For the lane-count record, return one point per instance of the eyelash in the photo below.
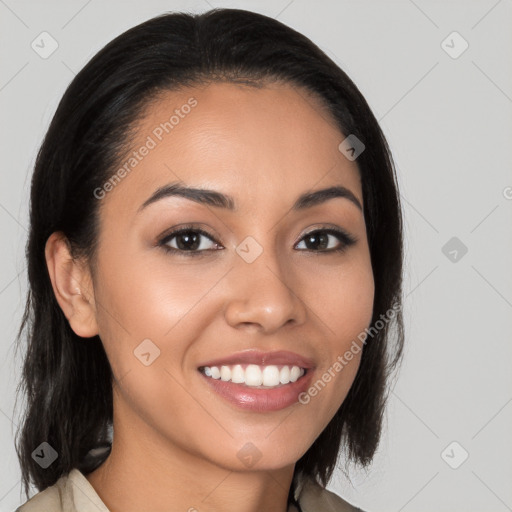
(345, 239)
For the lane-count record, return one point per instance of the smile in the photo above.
(255, 376)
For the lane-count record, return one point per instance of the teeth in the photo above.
(254, 375)
(294, 373)
(225, 373)
(284, 375)
(237, 375)
(270, 375)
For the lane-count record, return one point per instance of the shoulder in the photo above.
(312, 497)
(71, 493)
(50, 499)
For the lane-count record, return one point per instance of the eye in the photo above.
(320, 240)
(188, 241)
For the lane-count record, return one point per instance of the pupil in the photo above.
(191, 240)
(322, 241)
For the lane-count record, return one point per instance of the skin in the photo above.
(176, 441)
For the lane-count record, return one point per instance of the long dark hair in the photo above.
(67, 381)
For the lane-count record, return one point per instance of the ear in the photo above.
(72, 285)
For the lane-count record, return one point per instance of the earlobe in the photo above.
(72, 286)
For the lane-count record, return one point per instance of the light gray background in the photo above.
(449, 125)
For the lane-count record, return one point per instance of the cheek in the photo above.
(343, 300)
(354, 316)
(147, 318)
(355, 307)
(151, 298)
(148, 315)
(345, 309)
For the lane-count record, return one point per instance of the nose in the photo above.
(263, 295)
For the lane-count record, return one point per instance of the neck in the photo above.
(145, 472)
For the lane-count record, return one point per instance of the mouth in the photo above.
(258, 381)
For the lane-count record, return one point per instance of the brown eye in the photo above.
(193, 241)
(322, 240)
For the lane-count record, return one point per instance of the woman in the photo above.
(215, 264)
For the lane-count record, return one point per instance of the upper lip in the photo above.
(260, 358)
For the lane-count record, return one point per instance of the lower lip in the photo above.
(261, 400)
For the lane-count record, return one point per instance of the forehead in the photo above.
(266, 144)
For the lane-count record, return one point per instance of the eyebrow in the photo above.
(220, 200)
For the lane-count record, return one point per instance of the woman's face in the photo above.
(257, 283)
